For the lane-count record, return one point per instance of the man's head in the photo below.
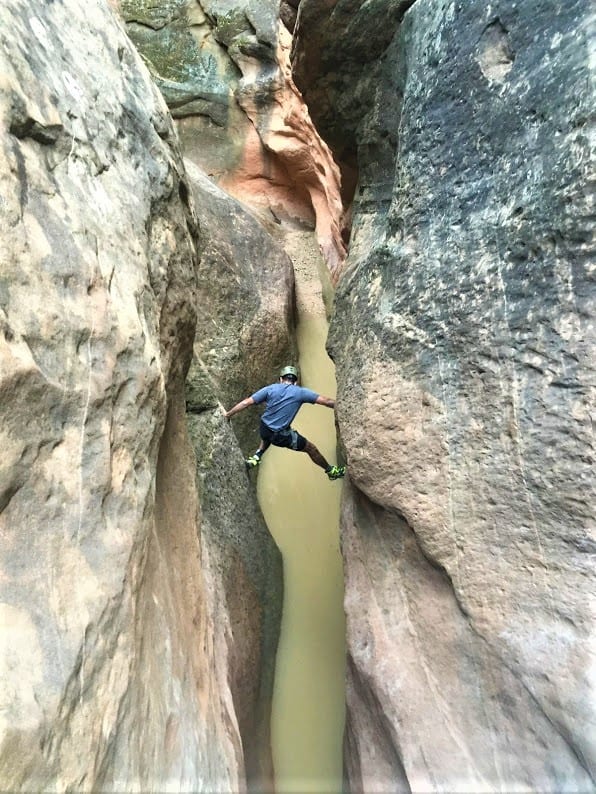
(289, 374)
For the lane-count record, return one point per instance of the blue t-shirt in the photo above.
(283, 403)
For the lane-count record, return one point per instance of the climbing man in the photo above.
(283, 401)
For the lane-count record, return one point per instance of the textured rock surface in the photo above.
(465, 388)
(244, 334)
(246, 306)
(243, 576)
(138, 594)
(125, 663)
(340, 66)
(224, 70)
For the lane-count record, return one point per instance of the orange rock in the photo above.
(286, 167)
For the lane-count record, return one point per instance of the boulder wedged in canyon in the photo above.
(465, 382)
(125, 665)
(225, 72)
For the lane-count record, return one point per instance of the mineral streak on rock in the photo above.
(126, 664)
(224, 71)
(465, 387)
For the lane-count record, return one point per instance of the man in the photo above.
(283, 401)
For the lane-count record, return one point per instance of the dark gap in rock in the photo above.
(337, 57)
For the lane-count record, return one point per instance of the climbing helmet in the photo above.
(289, 371)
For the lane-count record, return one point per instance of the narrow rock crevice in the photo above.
(140, 589)
(301, 507)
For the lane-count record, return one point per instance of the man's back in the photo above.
(283, 403)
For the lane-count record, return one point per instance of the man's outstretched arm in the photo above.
(326, 401)
(246, 403)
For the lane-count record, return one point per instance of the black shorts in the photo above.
(291, 439)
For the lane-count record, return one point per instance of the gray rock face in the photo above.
(465, 389)
(340, 65)
(125, 662)
(243, 580)
(244, 333)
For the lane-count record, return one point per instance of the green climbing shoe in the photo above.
(253, 461)
(335, 472)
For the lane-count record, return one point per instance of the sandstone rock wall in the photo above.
(224, 70)
(465, 386)
(245, 317)
(244, 333)
(128, 660)
(139, 592)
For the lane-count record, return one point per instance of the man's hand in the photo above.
(239, 407)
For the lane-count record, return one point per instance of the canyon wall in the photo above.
(224, 70)
(140, 591)
(139, 619)
(463, 339)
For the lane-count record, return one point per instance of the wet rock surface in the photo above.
(465, 385)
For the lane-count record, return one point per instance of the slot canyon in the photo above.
(396, 196)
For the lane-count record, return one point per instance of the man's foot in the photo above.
(335, 472)
(253, 461)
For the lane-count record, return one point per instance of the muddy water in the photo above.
(301, 507)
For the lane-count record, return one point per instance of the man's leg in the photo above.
(302, 444)
(263, 447)
(316, 457)
(333, 472)
(255, 458)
